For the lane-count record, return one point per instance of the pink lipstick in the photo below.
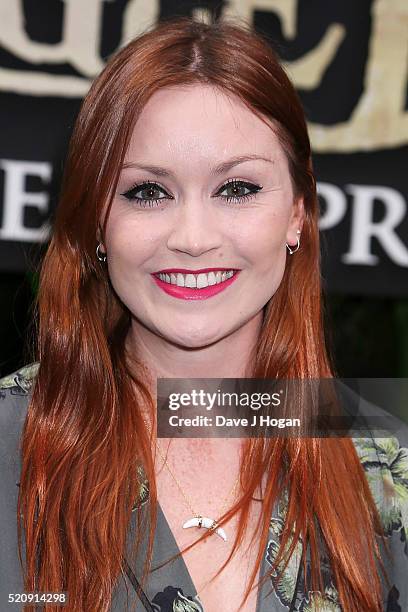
(188, 293)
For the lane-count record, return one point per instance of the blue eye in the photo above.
(151, 189)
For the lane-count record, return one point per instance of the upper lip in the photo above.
(201, 271)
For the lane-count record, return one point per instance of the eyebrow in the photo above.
(219, 169)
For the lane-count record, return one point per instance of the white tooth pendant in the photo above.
(208, 523)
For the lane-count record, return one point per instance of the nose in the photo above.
(196, 228)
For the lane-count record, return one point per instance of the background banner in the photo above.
(349, 63)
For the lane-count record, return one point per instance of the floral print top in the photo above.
(170, 588)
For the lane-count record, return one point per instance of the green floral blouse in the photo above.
(171, 588)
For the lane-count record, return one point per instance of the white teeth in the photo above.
(211, 278)
(196, 281)
(202, 281)
(190, 280)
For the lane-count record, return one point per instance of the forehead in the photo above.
(200, 123)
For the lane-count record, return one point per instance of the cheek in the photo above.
(129, 247)
(129, 241)
(263, 240)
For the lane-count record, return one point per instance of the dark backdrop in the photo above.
(349, 63)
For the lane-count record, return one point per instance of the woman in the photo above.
(190, 169)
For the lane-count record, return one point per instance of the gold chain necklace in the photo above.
(198, 520)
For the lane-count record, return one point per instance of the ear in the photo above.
(296, 220)
(99, 237)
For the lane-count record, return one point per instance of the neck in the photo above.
(230, 357)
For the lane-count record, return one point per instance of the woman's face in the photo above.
(189, 199)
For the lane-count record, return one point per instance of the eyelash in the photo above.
(151, 203)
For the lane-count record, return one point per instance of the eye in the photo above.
(240, 190)
(148, 190)
(148, 197)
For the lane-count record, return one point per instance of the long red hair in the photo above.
(84, 434)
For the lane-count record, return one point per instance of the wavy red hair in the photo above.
(83, 433)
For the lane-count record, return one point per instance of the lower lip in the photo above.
(186, 293)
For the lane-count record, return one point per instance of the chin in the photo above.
(195, 340)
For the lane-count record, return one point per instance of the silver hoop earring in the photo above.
(98, 254)
(291, 251)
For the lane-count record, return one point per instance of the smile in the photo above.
(193, 286)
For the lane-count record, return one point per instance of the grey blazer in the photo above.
(171, 588)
